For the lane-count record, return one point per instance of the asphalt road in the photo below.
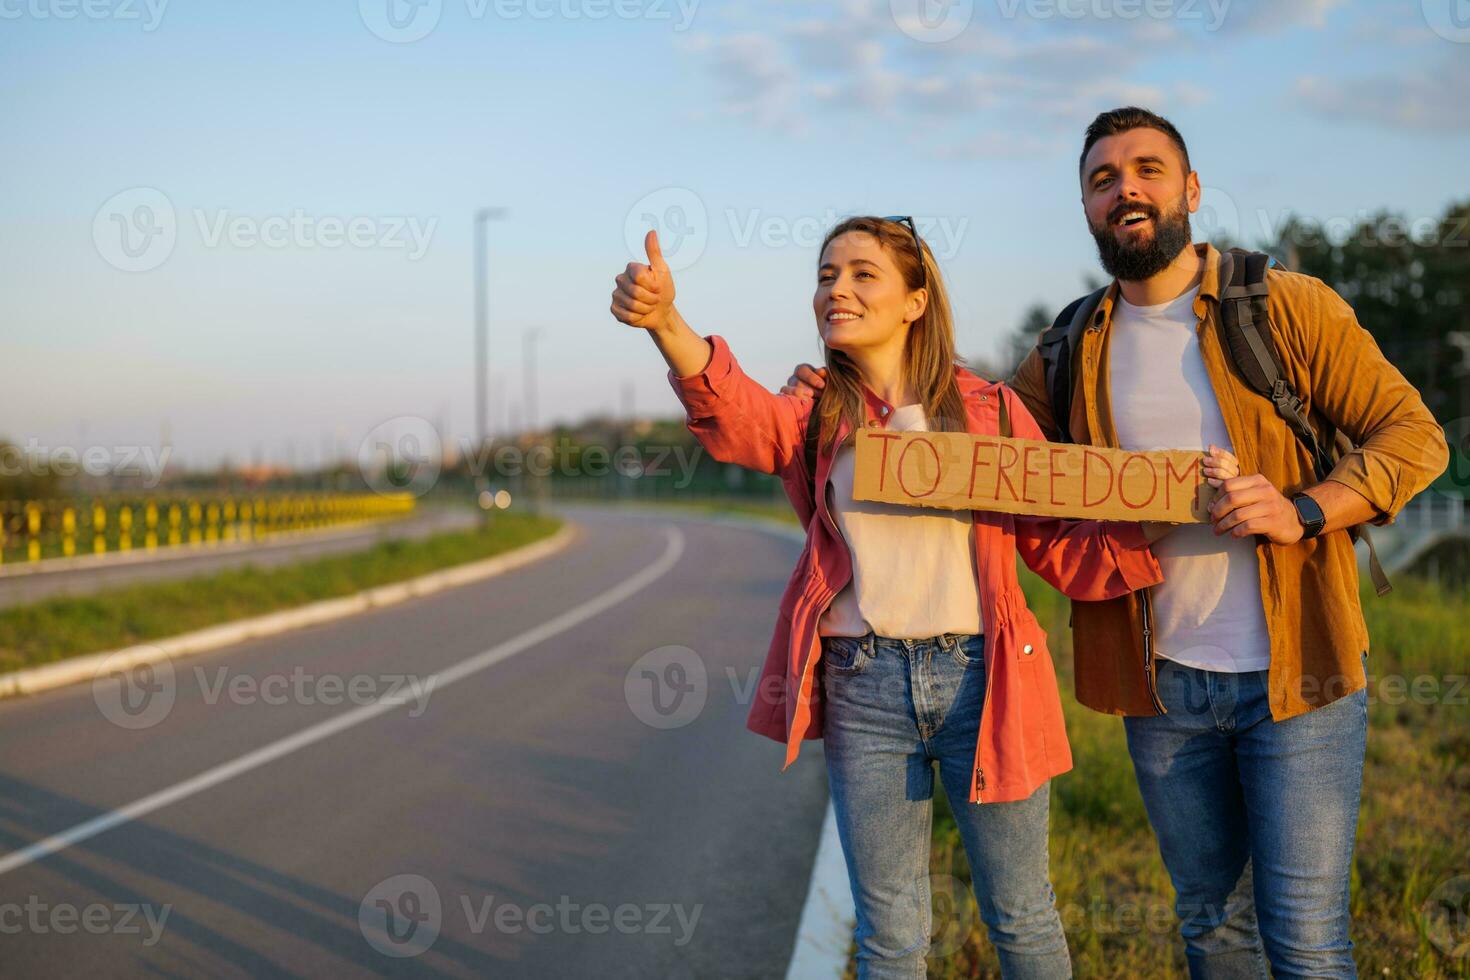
(497, 781)
(19, 586)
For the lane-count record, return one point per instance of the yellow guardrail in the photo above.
(33, 530)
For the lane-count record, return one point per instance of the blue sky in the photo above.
(312, 169)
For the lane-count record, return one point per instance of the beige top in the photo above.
(913, 568)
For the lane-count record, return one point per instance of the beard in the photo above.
(1145, 259)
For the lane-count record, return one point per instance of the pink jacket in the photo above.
(1022, 741)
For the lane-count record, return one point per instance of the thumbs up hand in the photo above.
(644, 296)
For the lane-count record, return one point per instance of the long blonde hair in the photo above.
(929, 354)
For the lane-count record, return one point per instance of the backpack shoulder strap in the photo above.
(1246, 324)
(1057, 345)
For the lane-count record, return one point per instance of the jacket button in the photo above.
(1028, 650)
(874, 424)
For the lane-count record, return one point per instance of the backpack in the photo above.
(1245, 328)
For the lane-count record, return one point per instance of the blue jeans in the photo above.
(1255, 820)
(893, 708)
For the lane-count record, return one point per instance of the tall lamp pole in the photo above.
(528, 374)
(482, 217)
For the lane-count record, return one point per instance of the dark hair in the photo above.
(1116, 121)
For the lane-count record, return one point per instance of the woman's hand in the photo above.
(1220, 465)
(644, 296)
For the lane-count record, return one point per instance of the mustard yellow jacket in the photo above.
(1309, 589)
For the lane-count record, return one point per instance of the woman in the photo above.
(928, 651)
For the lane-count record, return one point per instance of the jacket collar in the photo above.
(1209, 288)
(879, 409)
(875, 407)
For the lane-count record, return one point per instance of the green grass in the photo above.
(65, 627)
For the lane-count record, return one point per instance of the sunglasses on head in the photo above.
(904, 219)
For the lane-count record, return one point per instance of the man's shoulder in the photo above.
(1295, 290)
(1302, 307)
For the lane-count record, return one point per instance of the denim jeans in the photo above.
(1255, 820)
(893, 708)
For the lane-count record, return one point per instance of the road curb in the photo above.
(31, 680)
(827, 916)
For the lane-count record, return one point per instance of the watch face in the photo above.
(1310, 513)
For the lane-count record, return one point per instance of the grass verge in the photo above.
(55, 629)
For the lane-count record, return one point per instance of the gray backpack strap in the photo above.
(1245, 323)
(1057, 345)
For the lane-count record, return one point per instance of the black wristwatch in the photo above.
(1309, 512)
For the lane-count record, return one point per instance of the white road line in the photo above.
(291, 743)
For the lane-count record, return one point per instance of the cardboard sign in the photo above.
(960, 471)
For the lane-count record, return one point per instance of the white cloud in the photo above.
(755, 78)
(1434, 101)
(1276, 16)
(1049, 74)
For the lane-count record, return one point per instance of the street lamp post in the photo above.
(528, 373)
(482, 217)
(538, 482)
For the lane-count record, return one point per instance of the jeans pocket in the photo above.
(968, 650)
(844, 655)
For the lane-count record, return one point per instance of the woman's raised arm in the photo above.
(733, 417)
(644, 297)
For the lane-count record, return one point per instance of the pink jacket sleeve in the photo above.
(1089, 560)
(737, 419)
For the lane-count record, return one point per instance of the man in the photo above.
(1241, 678)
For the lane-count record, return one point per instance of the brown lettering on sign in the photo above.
(1153, 481)
(1054, 452)
(910, 444)
(887, 440)
(1027, 476)
(1187, 479)
(1026, 471)
(1088, 456)
(975, 461)
(1001, 465)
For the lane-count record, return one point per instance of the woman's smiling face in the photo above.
(861, 298)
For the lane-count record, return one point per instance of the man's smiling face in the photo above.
(1138, 195)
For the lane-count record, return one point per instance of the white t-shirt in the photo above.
(913, 568)
(1207, 612)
